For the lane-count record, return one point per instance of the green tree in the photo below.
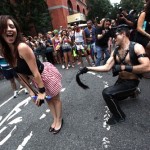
(6, 8)
(98, 8)
(29, 13)
(103, 8)
(132, 4)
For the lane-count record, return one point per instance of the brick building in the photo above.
(60, 9)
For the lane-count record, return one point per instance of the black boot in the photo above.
(113, 120)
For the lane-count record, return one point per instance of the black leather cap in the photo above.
(121, 27)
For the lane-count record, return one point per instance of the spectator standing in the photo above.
(103, 35)
(79, 42)
(89, 33)
(66, 48)
(49, 49)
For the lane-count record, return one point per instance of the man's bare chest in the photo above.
(123, 57)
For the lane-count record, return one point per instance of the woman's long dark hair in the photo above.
(147, 10)
(6, 51)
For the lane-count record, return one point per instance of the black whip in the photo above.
(82, 71)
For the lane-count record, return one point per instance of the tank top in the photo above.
(23, 68)
(79, 37)
(56, 42)
(65, 40)
(147, 24)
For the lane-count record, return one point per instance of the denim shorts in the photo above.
(9, 74)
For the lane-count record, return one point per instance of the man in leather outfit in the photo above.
(128, 79)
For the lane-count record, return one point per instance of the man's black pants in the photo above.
(121, 90)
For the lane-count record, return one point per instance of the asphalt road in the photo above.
(24, 126)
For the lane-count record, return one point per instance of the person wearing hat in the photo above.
(128, 74)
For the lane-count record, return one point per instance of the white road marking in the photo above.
(8, 136)
(25, 141)
(105, 141)
(12, 97)
(106, 117)
(16, 120)
(63, 89)
(16, 110)
(21, 90)
(6, 101)
(91, 73)
(105, 84)
(4, 128)
(1, 118)
(99, 76)
(13, 113)
(43, 116)
(48, 110)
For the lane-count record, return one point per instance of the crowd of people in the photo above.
(67, 46)
(106, 45)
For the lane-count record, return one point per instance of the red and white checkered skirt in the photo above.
(51, 79)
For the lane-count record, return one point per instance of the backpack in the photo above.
(133, 56)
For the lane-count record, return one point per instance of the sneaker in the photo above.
(138, 90)
(93, 63)
(79, 63)
(26, 91)
(72, 66)
(113, 120)
(21, 86)
(69, 65)
(63, 67)
(15, 94)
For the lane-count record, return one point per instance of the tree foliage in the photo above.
(98, 8)
(103, 8)
(132, 4)
(28, 13)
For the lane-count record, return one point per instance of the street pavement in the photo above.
(24, 126)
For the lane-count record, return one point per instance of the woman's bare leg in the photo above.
(70, 58)
(52, 109)
(56, 108)
(66, 59)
